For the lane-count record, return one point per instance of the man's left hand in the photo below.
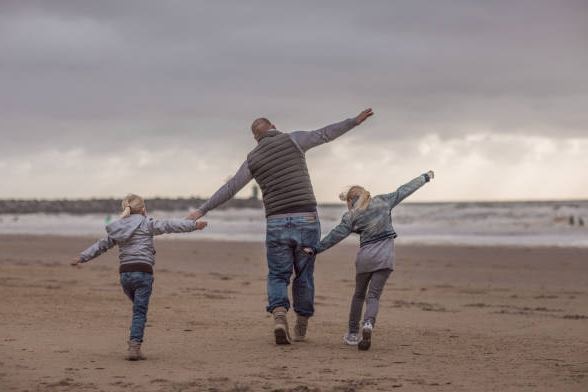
(361, 117)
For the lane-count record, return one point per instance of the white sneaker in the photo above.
(366, 336)
(351, 339)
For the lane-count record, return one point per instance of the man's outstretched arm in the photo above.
(309, 139)
(225, 192)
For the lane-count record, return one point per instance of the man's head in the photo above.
(260, 126)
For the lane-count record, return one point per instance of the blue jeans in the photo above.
(137, 286)
(286, 236)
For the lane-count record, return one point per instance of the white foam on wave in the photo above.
(512, 224)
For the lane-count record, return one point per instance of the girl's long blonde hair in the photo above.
(132, 204)
(356, 197)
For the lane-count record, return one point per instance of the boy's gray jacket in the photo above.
(134, 237)
(375, 222)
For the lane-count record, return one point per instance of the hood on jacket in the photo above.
(122, 229)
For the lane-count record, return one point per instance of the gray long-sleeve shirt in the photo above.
(305, 140)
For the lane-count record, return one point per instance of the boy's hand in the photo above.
(308, 251)
(195, 215)
(76, 261)
(431, 174)
(200, 225)
(361, 117)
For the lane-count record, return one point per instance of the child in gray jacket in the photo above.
(371, 218)
(133, 234)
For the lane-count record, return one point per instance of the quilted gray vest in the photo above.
(279, 167)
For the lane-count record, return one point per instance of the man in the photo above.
(279, 166)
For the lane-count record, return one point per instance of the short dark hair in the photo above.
(257, 126)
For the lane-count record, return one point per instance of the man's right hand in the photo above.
(361, 117)
(195, 215)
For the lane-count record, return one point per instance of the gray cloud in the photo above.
(101, 75)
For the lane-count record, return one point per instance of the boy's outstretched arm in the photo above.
(309, 139)
(408, 189)
(94, 250)
(338, 234)
(165, 226)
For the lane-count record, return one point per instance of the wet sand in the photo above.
(451, 319)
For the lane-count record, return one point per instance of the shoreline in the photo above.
(399, 243)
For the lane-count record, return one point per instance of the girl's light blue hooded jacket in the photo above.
(374, 223)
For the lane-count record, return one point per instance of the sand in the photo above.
(451, 319)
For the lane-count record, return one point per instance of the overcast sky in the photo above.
(102, 98)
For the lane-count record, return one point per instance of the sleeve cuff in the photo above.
(427, 178)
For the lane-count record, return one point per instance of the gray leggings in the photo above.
(371, 283)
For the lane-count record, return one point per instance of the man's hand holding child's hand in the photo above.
(195, 215)
(308, 251)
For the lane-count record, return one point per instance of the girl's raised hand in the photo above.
(200, 225)
(431, 174)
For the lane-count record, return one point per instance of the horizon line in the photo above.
(446, 201)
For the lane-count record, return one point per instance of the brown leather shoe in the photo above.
(300, 328)
(134, 353)
(281, 332)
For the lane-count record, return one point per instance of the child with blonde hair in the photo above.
(371, 218)
(133, 234)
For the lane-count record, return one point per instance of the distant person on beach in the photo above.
(278, 164)
(371, 218)
(133, 234)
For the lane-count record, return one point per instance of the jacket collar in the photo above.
(270, 133)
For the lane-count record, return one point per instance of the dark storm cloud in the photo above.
(100, 75)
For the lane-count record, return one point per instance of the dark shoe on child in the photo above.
(281, 332)
(135, 353)
(366, 336)
(300, 328)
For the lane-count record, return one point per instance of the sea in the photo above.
(527, 224)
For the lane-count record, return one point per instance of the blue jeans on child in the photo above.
(137, 286)
(286, 236)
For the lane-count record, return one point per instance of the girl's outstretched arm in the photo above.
(408, 189)
(164, 226)
(96, 249)
(338, 234)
